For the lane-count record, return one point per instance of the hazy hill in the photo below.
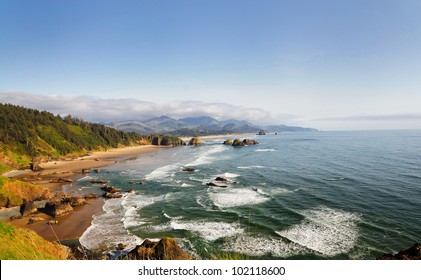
(197, 126)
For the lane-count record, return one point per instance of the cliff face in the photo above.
(13, 192)
(20, 244)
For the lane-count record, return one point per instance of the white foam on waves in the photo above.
(229, 175)
(132, 204)
(110, 228)
(265, 150)
(251, 167)
(163, 172)
(260, 246)
(325, 230)
(208, 156)
(107, 229)
(237, 197)
(209, 231)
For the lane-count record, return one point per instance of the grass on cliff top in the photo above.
(12, 192)
(20, 244)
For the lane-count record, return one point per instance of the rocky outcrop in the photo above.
(77, 201)
(27, 208)
(91, 196)
(98, 181)
(110, 189)
(215, 185)
(167, 141)
(112, 195)
(61, 180)
(195, 141)
(189, 169)
(35, 220)
(412, 253)
(221, 179)
(165, 249)
(57, 209)
(261, 132)
(238, 143)
(228, 142)
(250, 142)
(246, 142)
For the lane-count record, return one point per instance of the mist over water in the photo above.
(340, 195)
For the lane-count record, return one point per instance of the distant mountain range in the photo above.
(198, 126)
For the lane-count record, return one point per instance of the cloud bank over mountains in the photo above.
(107, 110)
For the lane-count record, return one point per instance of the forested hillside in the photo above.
(28, 134)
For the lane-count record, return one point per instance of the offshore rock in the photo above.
(412, 253)
(110, 189)
(221, 179)
(195, 141)
(165, 249)
(189, 169)
(228, 142)
(112, 195)
(99, 181)
(238, 143)
(250, 142)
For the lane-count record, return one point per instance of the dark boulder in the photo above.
(221, 179)
(27, 208)
(238, 143)
(261, 132)
(96, 181)
(250, 142)
(57, 209)
(412, 253)
(189, 169)
(156, 141)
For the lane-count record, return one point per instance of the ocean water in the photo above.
(319, 195)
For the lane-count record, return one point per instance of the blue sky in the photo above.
(326, 64)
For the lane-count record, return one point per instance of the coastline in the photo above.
(73, 225)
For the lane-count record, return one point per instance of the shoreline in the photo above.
(73, 225)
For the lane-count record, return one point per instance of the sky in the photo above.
(327, 64)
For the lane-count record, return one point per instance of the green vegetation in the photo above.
(13, 192)
(27, 135)
(20, 244)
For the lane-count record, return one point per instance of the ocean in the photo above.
(309, 195)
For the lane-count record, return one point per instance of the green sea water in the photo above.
(318, 195)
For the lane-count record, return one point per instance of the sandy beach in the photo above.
(72, 226)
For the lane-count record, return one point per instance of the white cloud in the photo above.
(107, 110)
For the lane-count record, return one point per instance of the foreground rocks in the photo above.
(413, 253)
(57, 209)
(165, 249)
